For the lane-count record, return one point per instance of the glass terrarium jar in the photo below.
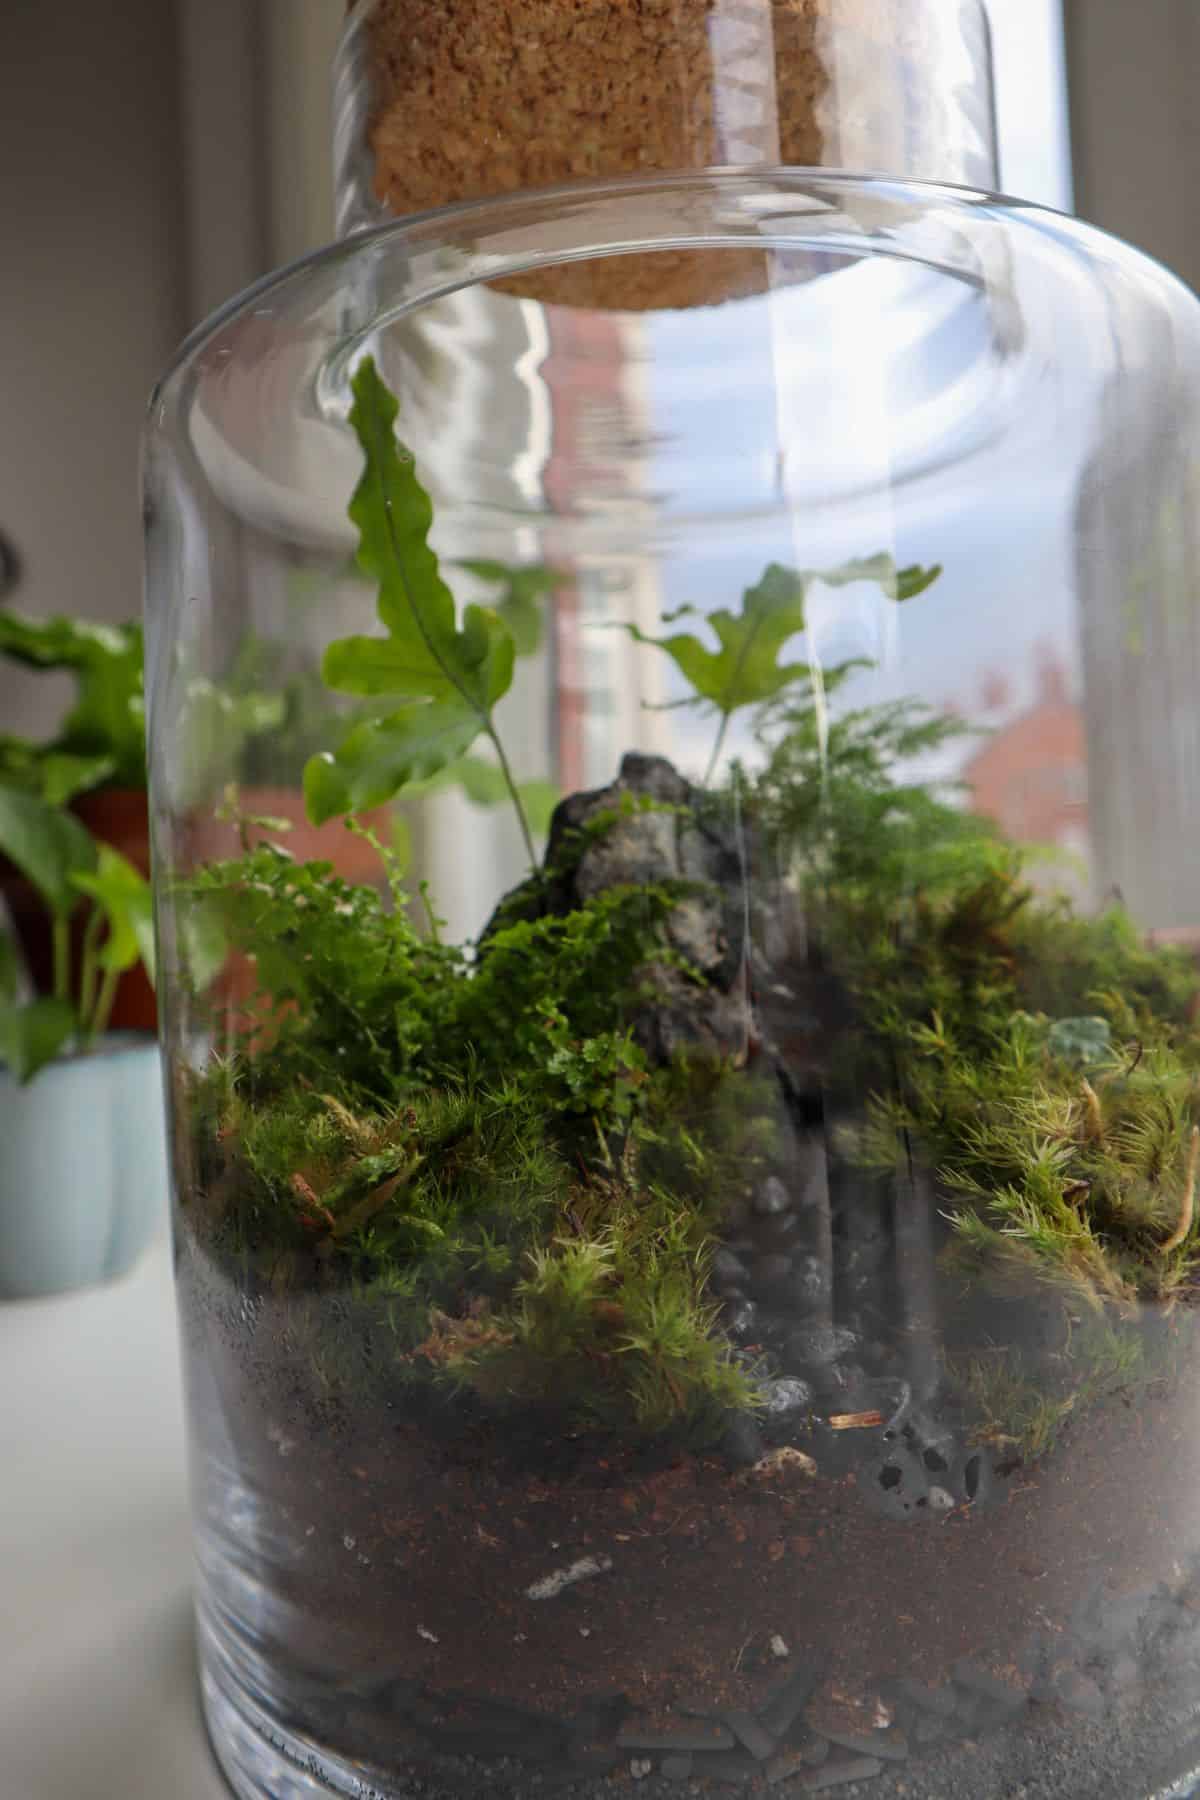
(685, 1151)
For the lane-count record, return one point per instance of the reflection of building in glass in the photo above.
(1030, 773)
(604, 689)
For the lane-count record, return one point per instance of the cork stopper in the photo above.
(465, 99)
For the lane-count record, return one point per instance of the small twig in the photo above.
(372, 1203)
(1095, 1116)
(1187, 1204)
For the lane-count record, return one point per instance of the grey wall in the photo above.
(155, 156)
(1132, 69)
(1136, 137)
(91, 296)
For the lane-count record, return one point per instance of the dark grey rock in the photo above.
(787, 1765)
(813, 1345)
(728, 1270)
(977, 1715)
(973, 1479)
(773, 1269)
(785, 1398)
(865, 1260)
(752, 1733)
(790, 1698)
(710, 1734)
(677, 1768)
(742, 1442)
(812, 1281)
(730, 1767)
(600, 1715)
(772, 1198)
(811, 1182)
(741, 1321)
(849, 1384)
(888, 1746)
(651, 826)
(938, 1702)
(898, 1486)
(977, 1679)
(840, 1774)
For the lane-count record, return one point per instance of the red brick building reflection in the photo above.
(1030, 773)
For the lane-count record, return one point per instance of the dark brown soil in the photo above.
(404, 1553)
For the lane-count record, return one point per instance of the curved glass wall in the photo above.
(673, 834)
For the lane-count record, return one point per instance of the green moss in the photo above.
(468, 1144)
(614, 1319)
(1023, 1403)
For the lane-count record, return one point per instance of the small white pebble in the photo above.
(640, 1767)
(429, 1636)
(585, 1631)
(883, 1715)
(941, 1500)
(779, 1646)
(550, 1586)
(349, 1542)
(364, 1560)
(519, 1637)
(311, 1532)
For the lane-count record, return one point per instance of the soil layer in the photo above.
(772, 1613)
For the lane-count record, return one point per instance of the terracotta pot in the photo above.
(119, 816)
(210, 840)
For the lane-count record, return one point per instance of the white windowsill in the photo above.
(97, 1674)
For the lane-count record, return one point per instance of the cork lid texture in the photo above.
(472, 98)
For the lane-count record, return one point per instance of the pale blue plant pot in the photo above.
(83, 1168)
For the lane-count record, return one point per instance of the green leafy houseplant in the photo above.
(93, 765)
(102, 739)
(71, 872)
(473, 1141)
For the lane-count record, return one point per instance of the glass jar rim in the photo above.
(847, 213)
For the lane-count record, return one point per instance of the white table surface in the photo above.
(97, 1672)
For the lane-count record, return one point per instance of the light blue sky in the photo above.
(729, 398)
(1031, 100)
